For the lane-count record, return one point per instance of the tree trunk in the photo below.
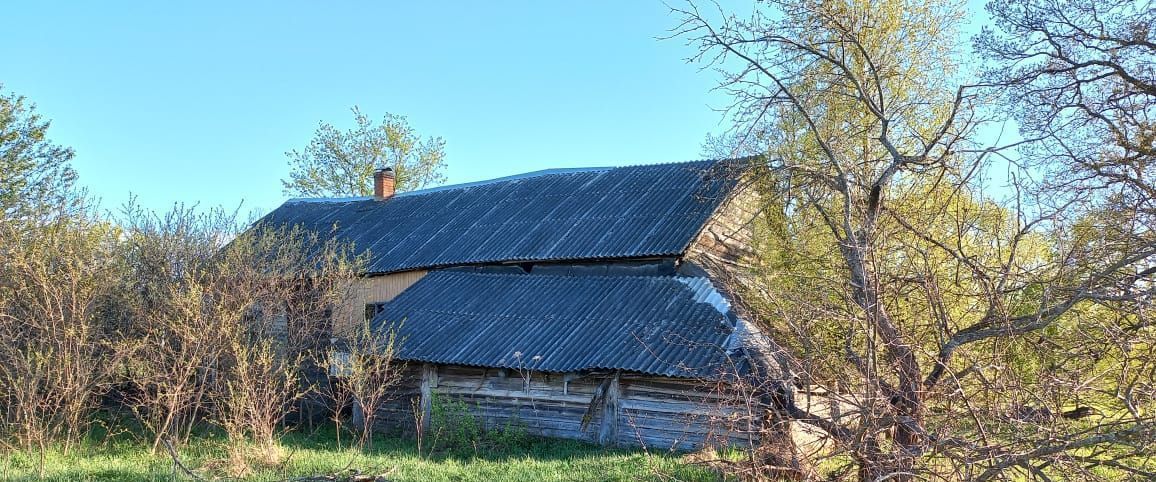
(906, 399)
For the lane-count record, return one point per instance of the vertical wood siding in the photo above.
(374, 289)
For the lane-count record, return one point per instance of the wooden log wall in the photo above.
(679, 414)
(609, 408)
(396, 414)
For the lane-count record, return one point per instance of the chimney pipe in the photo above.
(383, 182)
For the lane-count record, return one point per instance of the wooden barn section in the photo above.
(627, 360)
(611, 408)
(583, 303)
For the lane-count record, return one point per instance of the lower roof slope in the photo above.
(601, 213)
(668, 326)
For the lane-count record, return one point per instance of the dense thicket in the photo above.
(174, 322)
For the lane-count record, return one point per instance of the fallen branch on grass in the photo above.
(355, 476)
(177, 460)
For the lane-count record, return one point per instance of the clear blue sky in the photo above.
(198, 101)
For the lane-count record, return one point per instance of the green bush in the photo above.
(452, 425)
(455, 427)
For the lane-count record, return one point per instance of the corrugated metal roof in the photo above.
(656, 325)
(599, 213)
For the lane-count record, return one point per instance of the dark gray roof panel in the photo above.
(601, 213)
(656, 325)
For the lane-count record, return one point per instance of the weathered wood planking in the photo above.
(396, 413)
(634, 410)
(728, 235)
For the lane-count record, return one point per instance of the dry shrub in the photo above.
(227, 321)
(171, 310)
(751, 437)
(284, 285)
(192, 319)
(368, 372)
(57, 357)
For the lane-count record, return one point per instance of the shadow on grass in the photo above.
(531, 458)
(102, 475)
(481, 448)
(127, 456)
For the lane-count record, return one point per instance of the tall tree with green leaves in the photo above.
(35, 173)
(340, 163)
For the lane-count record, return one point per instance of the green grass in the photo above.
(126, 457)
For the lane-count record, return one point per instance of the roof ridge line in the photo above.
(455, 271)
(349, 199)
(512, 177)
(545, 172)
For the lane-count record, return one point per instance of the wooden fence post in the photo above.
(608, 435)
(429, 381)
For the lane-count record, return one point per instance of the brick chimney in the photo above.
(383, 180)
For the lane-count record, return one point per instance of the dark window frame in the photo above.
(373, 309)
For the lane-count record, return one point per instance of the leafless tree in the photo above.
(915, 298)
(1081, 74)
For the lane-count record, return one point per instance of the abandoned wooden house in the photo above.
(582, 303)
